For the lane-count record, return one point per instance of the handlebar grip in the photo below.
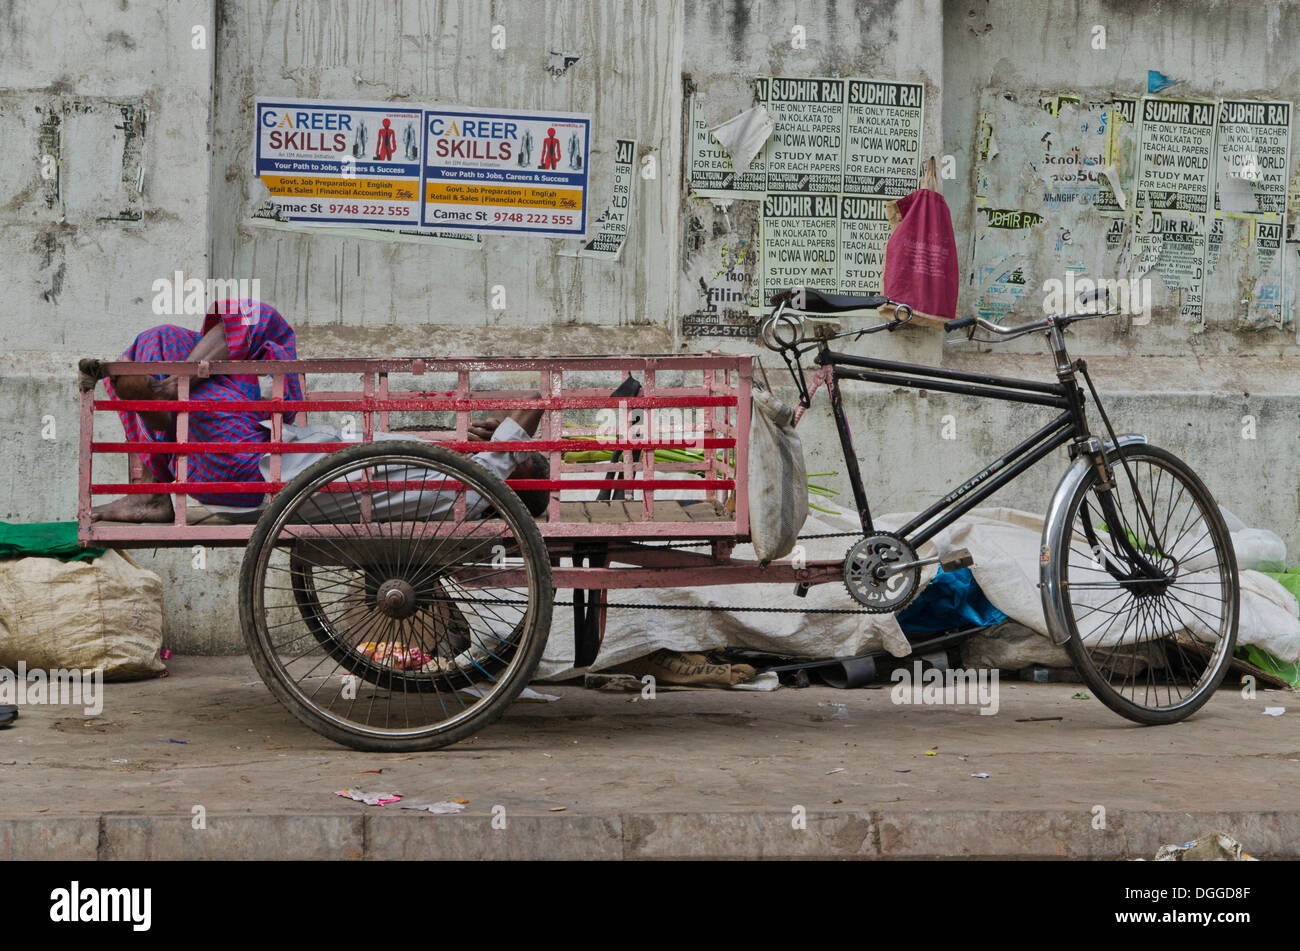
(959, 324)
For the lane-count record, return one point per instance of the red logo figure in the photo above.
(550, 150)
(386, 144)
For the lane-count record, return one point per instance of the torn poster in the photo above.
(709, 167)
(612, 225)
(1119, 155)
(1254, 147)
(744, 136)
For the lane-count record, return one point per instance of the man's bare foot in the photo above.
(134, 508)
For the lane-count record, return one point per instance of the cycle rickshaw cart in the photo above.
(386, 612)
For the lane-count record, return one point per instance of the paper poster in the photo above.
(339, 163)
(800, 241)
(864, 230)
(882, 137)
(1119, 155)
(709, 167)
(505, 172)
(1176, 160)
(1254, 148)
(1182, 260)
(612, 225)
(806, 152)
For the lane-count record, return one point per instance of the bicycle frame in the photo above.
(1070, 426)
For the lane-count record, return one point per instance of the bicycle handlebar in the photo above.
(1059, 320)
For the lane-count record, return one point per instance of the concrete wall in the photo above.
(79, 254)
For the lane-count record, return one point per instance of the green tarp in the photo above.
(44, 540)
(1290, 672)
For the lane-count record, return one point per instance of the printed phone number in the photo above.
(530, 218)
(392, 211)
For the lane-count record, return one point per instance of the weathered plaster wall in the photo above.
(357, 296)
(78, 271)
(1215, 49)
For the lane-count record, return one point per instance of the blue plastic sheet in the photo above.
(952, 600)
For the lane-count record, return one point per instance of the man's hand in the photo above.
(164, 389)
(482, 431)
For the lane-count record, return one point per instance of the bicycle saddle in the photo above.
(818, 302)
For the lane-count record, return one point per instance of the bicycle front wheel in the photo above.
(1147, 581)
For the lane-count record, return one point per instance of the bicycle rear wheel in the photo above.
(1147, 581)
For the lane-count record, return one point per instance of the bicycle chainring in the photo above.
(863, 565)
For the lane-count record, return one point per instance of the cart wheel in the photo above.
(405, 629)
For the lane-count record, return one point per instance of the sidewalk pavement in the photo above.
(689, 774)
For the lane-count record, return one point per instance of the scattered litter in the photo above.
(1214, 846)
(165, 653)
(118, 762)
(932, 751)
(841, 712)
(528, 694)
(43, 809)
(1081, 695)
(836, 802)
(558, 808)
(837, 769)
(902, 770)
(245, 779)
(767, 681)
(1274, 711)
(8, 762)
(370, 771)
(612, 682)
(178, 741)
(980, 775)
(369, 798)
(447, 807)
(1037, 719)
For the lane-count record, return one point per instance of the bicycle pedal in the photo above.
(961, 558)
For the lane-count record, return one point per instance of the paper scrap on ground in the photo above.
(527, 695)
(444, 807)
(1274, 711)
(369, 798)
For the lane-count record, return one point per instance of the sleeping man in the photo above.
(249, 330)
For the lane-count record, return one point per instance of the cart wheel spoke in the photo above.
(379, 616)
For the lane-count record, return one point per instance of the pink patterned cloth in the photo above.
(254, 331)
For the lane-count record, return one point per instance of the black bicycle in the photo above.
(1137, 572)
